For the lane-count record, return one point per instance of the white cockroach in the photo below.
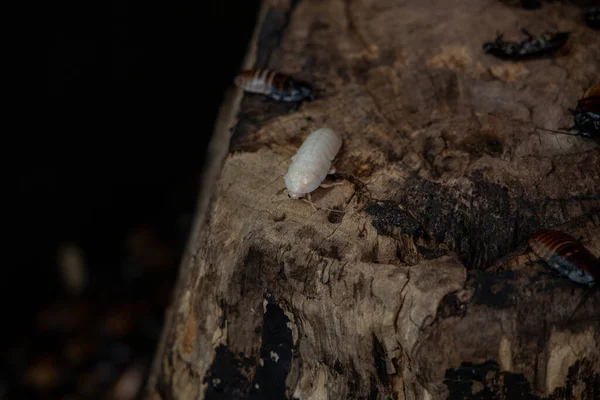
(312, 163)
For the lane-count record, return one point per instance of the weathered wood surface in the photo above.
(422, 286)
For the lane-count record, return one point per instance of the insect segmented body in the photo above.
(592, 17)
(566, 255)
(312, 162)
(587, 113)
(530, 48)
(277, 86)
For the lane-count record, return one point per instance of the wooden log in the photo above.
(413, 279)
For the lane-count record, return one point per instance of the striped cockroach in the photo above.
(530, 48)
(569, 257)
(586, 115)
(566, 255)
(312, 163)
(275, 85)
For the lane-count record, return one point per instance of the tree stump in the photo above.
(413, 279)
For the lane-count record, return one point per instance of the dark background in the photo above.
(125, 109)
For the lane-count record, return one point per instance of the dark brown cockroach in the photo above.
(592, 17)
(586, 115)
(532, 47)
(275, 85)
(566, 255)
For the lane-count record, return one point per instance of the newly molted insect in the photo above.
(586, 115)
(566, 255)
(312, 162)
(592, 17)
(277, 86)
(530, 48)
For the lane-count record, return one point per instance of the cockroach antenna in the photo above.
(596, 139)
(563, 132)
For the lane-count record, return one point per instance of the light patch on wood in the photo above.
(564, 349)
(398, 387)
(185, 382)
(292, 327)
(454, 58)
(188, 339)
(324, 275)
(426, 394)
(312, 384)
(392, 351)
(509, 72)
(220, 335)
(184, 303)
(505, 354)
(320, 392)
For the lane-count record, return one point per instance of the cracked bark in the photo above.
(423, 286)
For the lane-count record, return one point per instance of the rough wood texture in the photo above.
(422, 286)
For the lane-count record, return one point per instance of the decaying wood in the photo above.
(413, 279)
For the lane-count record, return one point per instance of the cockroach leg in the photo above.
(328, 185)
(308, 199)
